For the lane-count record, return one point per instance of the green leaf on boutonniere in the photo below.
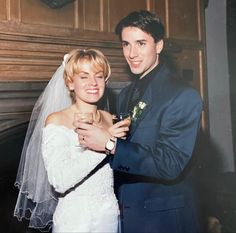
(137, 111)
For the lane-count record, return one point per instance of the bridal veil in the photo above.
(37, 199)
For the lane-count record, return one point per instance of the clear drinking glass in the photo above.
(85, 117)
(120, 116)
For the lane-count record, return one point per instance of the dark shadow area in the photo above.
(231, 41)
(216, 190)
(207, 164)
(10, 149)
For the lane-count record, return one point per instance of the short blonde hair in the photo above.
(76, 57)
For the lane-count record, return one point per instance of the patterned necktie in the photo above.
(134, 97)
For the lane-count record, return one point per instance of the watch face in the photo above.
(110, 145)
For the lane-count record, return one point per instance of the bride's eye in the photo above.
(83, 77)
(99, 75)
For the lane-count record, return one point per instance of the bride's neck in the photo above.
(89, 108)
(84, 108)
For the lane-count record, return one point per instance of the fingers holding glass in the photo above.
(120, 116)
(121, 125)
(82, 118)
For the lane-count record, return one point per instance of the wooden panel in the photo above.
(188, 60)
(3, 10)
(119, 9)
(105, 15)
(90, 15)
(190, 69)
(160, 9)
(36, 58)
(14, 10)
(183, 19)
(80, 14)
(93, 15)
(36, 12)
(16, 103)
(29, 61)
(186, 64)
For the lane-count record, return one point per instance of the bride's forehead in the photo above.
(88, 65)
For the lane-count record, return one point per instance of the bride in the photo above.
(53, 162)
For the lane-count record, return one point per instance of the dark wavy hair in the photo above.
(144, 20)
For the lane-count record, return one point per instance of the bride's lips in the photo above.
(92, 91)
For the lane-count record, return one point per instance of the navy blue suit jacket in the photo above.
(155, 192)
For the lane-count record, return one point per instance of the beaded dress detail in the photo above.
(91, 207)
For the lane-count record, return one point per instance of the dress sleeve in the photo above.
(64, 163)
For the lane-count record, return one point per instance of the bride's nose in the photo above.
(93, 81)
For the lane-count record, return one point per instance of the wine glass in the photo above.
(120, 116)
(85, 117)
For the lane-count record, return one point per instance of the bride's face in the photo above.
(88, 84)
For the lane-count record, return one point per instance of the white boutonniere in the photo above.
(137, 111)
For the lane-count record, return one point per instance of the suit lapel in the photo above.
(147, 99)
(151, 93)
(126, 98)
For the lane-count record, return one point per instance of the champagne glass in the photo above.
(85, 117)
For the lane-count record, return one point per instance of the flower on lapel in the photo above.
(137, 111)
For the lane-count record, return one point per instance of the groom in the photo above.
(152, 164)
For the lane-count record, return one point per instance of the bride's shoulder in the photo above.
(56, 118)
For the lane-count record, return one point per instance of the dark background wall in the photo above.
(231, 39)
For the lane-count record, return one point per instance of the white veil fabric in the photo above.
(37, 199)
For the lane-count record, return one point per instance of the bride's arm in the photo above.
(64, 163)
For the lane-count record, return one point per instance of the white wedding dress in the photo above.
(92, 207)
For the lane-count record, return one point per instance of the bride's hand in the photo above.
(120, 129)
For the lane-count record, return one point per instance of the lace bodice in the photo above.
(92, 206)
(66, 164)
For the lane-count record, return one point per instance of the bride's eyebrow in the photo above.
(83, 72)
(99, 72)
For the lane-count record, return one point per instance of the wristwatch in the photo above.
(110, 145)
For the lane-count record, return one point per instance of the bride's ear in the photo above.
(70, 84)
(71, 87)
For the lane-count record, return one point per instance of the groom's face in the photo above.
(140, 50)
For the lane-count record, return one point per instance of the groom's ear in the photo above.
(159, 46)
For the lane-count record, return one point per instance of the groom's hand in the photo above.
(93, 136)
